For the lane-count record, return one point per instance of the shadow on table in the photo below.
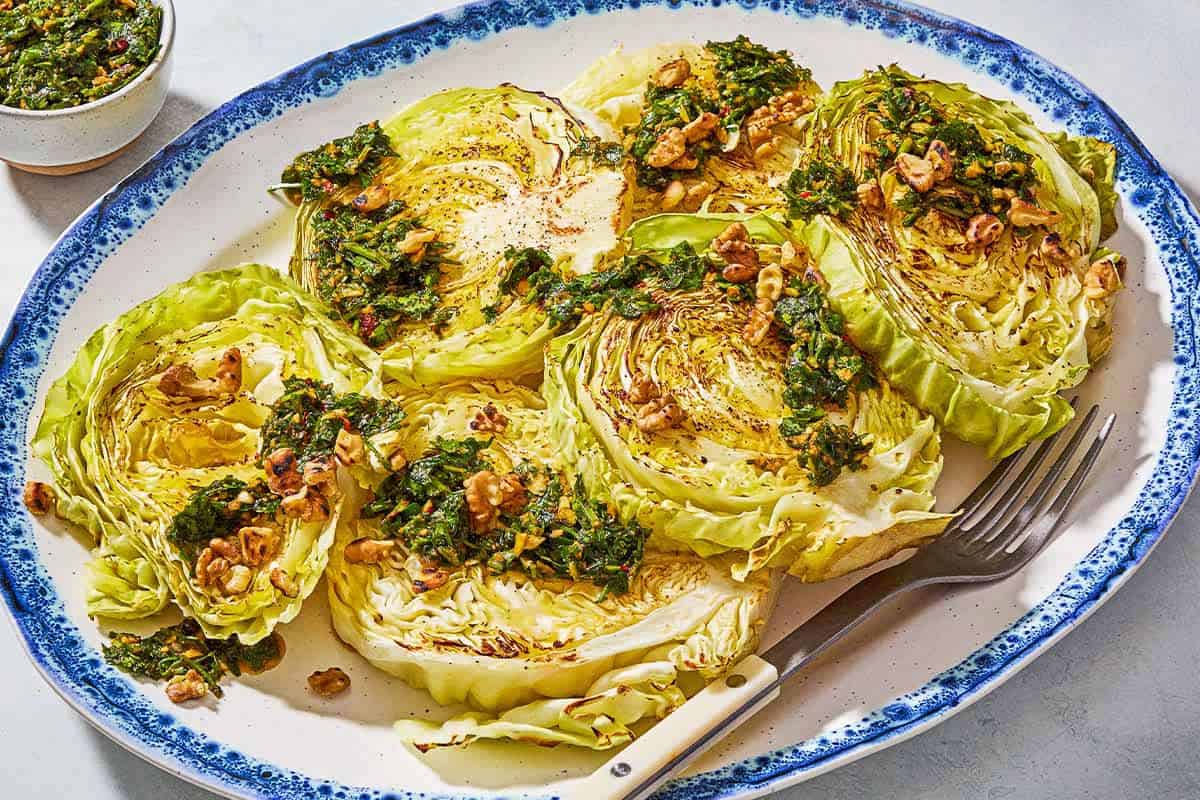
(57, 200)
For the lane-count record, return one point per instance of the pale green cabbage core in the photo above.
(126, 458)
(983, 338)
(488, 169)
(725, 480)
(541, 660)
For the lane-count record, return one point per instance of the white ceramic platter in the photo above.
(201, 205)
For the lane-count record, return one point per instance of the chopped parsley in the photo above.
(554, 534)
(64, 53)
(985, 170)
(368, 275)
(820, 187)
(175, 650)
(821, 370)
(334, 165)
(219, 510)
(668, 108)
(309, 416)
(748, 75)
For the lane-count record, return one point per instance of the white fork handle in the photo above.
(631, 773)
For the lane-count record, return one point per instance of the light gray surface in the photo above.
(1110, 713)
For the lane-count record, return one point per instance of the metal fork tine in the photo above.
(1044, 527)
(1013, 492)
(984, 491)
(1020, 521)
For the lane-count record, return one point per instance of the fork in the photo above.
(996, 531)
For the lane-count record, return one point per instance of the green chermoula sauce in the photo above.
(64, 53)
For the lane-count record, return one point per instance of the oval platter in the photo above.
(199, 204)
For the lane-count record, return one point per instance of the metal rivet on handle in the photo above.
(621, 769)
(734, 681)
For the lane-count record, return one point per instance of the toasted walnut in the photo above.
(870, 195)
(1055, 252)
(284, 583)
(180, 380)
(917, 172)
(660, 414)
(733, 245)
(349, 448)
(236, 580)
(210, 568)
(671, 145)
(282, 476)
(770, 283)
(306, 505)
(701, 127)
(789, 256)
(786, 107)
(39, 498)
(760, 321)
(228, 549)
(371, 198)
(642, 390)
(1024, 214)
(768, 148)
(673, 73)
(1103, 278)
(943, 163)
(429, 576)
(258, 544)
(318, 473)
(696, 194)
(190, 686)
(368, 551)
(488, 420)
(984, 229)
(487, 494)
(328, 682)
(414, 241)
(672, 196)
(684, 162)
(397, 461)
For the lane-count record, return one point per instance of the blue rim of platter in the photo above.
(116, 706)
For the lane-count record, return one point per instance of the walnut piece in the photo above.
(696, 194)
(786, 107)
(760, 320)
(318, 473)
(429, 576)
(306, 505)
(258, 544)
(1103, 278)
(368, 551)
(701, 127)
(228, 549)
(283, 477)
(349, 448)
(180, 380)
(870, 195)
(1024, 214)
(673, 73)
(917, 172)
(672, 196)
(984, 229)
(329, 682)
(670, 146)
(284, 583)
(236, 580)
(660, 414)
(1055, 252)
(190, 686)
(210, 568)
(39, 498)
(939, 156)
(488, 420)
(642, 390)
(488, 494)
(733, 245)
(414, 242)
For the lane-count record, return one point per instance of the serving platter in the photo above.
(199, 205)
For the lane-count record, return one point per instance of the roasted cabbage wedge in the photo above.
(967, 266)
(126, 457)
(480, 171)
(725, 480)
(634, 93)
(546, 660)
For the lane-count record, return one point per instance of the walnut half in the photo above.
(329, 682)
(39, 498)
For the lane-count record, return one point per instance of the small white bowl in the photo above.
(68, 140)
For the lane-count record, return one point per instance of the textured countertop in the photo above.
(1109, 713)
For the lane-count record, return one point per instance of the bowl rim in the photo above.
(166, 39)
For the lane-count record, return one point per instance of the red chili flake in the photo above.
(367, 323)
(121, 45)
(328, 213)
(806, 195)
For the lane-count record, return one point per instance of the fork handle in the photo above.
(643, 766)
